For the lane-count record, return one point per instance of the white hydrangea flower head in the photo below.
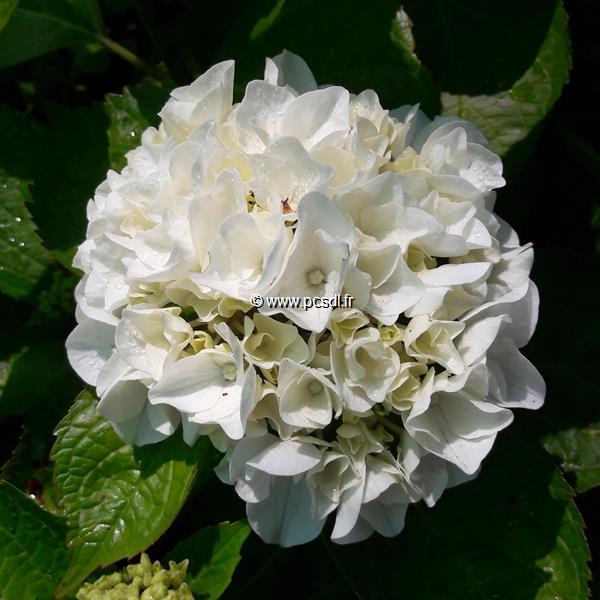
(298, 190)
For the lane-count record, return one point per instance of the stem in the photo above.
(130, 57)
(390, 425)
(342, 571)
(266, 566)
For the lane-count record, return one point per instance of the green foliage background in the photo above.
(80, 80)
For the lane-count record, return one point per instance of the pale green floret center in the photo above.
(316, 277)
(315, 387)
(230, 372)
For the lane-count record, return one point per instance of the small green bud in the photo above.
(146, 562)
(184, 591)
(157, 591)
(145, 580)
(161, 576)
(178, 572)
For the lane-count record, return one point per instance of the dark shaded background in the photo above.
(552, 199)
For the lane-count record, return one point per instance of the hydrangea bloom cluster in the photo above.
(301, 190)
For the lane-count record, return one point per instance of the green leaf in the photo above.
(90, 11)
(129, 115)
(513, 533)
(6, 9)
(38, 384)
(117, 499)
(363, 47)
(508, 116)
(28, 469)
(264, 23)
(22, 143)
(480, 48)
(126, 126)
(32, 553)
(41, 26)
(214, 553)
(76, 140)
(579, 450)
(5, 368)
(23, 258)
(569, 422)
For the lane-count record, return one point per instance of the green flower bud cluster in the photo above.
(145, 580)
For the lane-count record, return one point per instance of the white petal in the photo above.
(209, 97)
(123, 400)
(452, 274)
(287, 458)
(523, 385)
(193, 384)
(89, 346)
(288, 68)
(430, 431)
(321, 243)
(471, 419)
(137, 422)
(318, 116)
(348, 511)
(257, 119)
(245, 450)
(386, 519)
(285, 517)
(477, 338)
(361, 530)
